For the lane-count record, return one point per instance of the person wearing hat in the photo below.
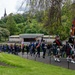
(58, 41)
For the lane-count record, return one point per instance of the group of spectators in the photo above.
(10, 48)
(56, 49)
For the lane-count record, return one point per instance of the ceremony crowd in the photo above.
(56, 49)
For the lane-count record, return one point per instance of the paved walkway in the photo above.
(50, 60)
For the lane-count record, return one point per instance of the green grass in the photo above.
(29, 67)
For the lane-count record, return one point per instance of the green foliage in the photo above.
(31, 26)
(19, 28)
(34, 27)
(62, 29)
(52, 20)
(3, 25)
(4, 20)
(66, 19)
(39, 16)
(18, 18)
(11, 25)
(4, 33)
(73, 10)
(1, 22)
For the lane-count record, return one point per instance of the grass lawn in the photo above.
(21, 66)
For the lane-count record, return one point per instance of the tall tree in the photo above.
(11, 25)
(5, 33)
(53, 7)
(51, 10)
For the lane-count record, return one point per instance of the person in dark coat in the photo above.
(38, 44)
(27, 48)
(0, 48)
(71, 39)
(58, 41)
(15, 49)
(33, 49)
(30, 48)
(69, 53)
(4, 48)
(63, 50)
(10, 48)
(49, 49)
(68, 50)
(57, 45)
(54, 47)
(23, 50)
(44, 48)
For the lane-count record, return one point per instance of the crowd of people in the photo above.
(56, 49)
(10, 48)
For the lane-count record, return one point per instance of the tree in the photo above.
(51, 13)
(5, 33)
(33, 26)
(4, 19)
(1, 22)
(11, 25)
(52, 6)
(18, 18)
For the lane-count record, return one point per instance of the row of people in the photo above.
(67, 49)
(56, 49)
(14, 49)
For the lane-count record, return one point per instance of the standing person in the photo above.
(5, 48)
(0, 48)
(15, 49)
(57, 45)
(55, 52)
(38, 43)
(49, 47)
(69, 53)
(19, 48)
(68, 50)
(10, 48)
(23, 50)
(71, 40)
(27, 49)
(63, 50)
(33, 48)
(44, 48)
(30, 48)
(74, 48)
(22, 46)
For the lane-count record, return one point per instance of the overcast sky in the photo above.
(11, 6)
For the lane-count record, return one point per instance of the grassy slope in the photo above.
(29, 67)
